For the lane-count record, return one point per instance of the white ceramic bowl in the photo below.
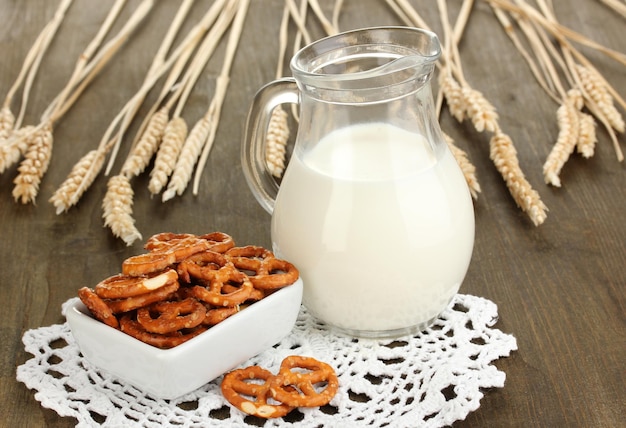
(170, 373)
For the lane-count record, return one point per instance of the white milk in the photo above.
(381, 230)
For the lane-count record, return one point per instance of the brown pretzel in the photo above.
(164, 254)
(265, 271)
(304, 382)
(202, 265)
(167, 317)
(163, 341)
(241, 382)
(218, 241)
(212, 292)
(121, 286)
(130, 303)
(98, 307)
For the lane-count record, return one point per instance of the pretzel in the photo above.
(218, 241)
(212, 292)
(121, 286)
(265, 271)
(202, 265)
(98, 307)
(164, 254)
(163, 341)
(240, 382)
(297, 388)
(167, 317)
(131, 303)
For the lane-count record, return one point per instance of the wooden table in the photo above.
(559, 287)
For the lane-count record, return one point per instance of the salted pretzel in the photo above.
(131, 303)
(295, 384)
(98, 307)
(164, 254)
(217, 241)
(163, 341)
(242, 383)
(265, 271)
(203, 265)
(212, 291)
(122, 286)
(169, 316)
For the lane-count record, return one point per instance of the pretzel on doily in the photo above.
(242, 383)
(169, 316)
(297, 379)
(122, 286)
(265, 271)
(164, 341)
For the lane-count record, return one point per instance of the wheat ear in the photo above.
(33, 166)
(468, 169)
(83, 173)
(597, 90)
(147, 145)
(276, 142)
(117, 207)
(187, 159)
(169, 150)
(567, 119)
(504, 156)
(587, 137)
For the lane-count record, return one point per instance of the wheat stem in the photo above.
(221, 86)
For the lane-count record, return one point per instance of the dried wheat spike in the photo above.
(454, 96)
(276, 142)
(82, 175)
(117, 207)
(33, 166)
(12, 149)
(147, 145)
(7, 121)
(187, 159)
(173, 140)
(504, 157)
(468, 169)
(587, 138)
(596, 88)
(482, 113)
(567, 118)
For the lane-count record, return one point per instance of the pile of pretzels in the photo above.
(183, 285)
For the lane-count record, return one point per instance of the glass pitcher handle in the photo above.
(260, 180)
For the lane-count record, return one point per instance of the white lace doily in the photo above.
(431, 379)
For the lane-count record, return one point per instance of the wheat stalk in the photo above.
(117, 207)
(568, 122)
(83, 173)
(147, 145)
(276, 142)
(189, 154)
(221, 86)
(12, 149)
(587, 138)
(33, 166)
(504, 156)
(169, 150)
(468, 169)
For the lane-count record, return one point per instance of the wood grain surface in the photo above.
(559, 287)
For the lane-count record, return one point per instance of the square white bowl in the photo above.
(171, 373)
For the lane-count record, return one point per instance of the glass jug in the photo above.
(373, 208)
